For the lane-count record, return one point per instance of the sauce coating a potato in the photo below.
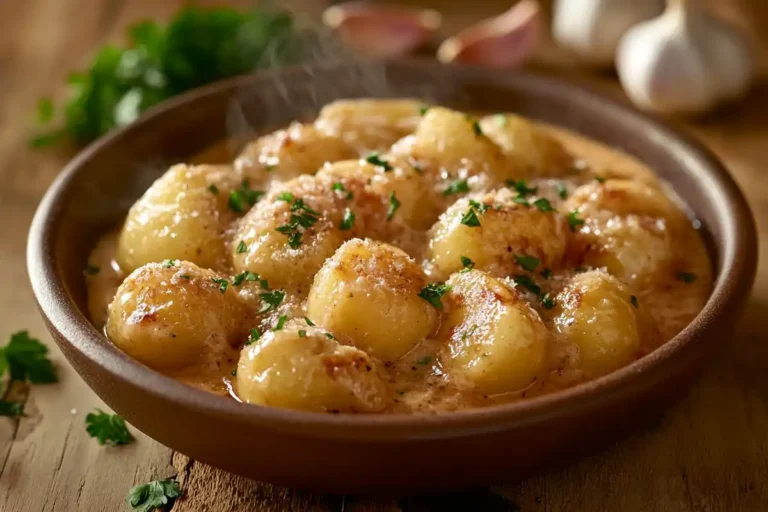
(399, 257)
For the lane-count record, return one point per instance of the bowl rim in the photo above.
(733, 281)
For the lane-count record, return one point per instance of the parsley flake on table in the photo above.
(433, 292)
(25, 357)
(11, 409)
(374, 159)
(153, 495)
(457, 187)
(271, 300)
(223, 283)
(394, 204)
(529, 263)
(574, 221)
(348, 221)
(107, 428)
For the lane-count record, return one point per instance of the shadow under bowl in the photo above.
(350, 453)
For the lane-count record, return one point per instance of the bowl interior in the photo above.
(95, 191)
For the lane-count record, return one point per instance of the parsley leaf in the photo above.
(169, 263)
(528, 263)
(546, 273)
(543, 205)
(394, 204)
(423, 109)
(241, 247)
(253, 336)
(599, 179)
(223, 283)
(476, 127)
(309, 322)
(547, 301)
(285, 196)
(281, 322)
(153, 495)
(107, 428)
(467, 263)
(348, 221)
(574, 221)
(271, 300)
(302, 333)
(528, 283)
(470, 218)
(26, 358)
(11, 409)
(374, 159)
(432, 293)
(521, 187)
(457, 187)
(562, 191)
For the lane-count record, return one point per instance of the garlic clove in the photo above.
(592, 29)
(382, 30)
(683, 62)
(505, 41)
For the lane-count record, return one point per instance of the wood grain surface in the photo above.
(709, 453)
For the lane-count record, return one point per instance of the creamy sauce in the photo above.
(418, 381)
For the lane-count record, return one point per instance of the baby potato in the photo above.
(455, 142)
(497, 239)
(370, 124)
(497, 342)
(299, 367)
(285, 154)
(368, 295)
(166, 315)
(182, 216)
(595, 313)
(531, 149)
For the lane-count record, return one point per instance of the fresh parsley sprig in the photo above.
(153, 495)
(107, 428)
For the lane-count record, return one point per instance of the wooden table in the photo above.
(710, 452)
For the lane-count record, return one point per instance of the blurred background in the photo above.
(71, 70)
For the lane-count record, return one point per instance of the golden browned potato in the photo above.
(182, 216)
(497, 342)
(290, 233)
(454, 142)
(370, 124)
(595, 312)
(285, 154)
(299, 367)
(629, 228)
(529, 147)
(501, 238)
(167, 314)
(368, 295)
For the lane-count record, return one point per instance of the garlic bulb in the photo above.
(592, 28)
(684, 61)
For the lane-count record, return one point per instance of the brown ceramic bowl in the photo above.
(396, 452)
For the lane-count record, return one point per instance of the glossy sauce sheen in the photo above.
(631, 221)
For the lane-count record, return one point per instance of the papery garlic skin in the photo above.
(592, 29)
(683, 62)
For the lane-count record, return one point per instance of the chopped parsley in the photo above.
(423, 109)
(529, 263)
(213, 189)
(574, 221)
(528, 283)
(432, 293)
(339, 187)
(302, 333)
(309, 322)
(424, 361)
(521, 187)
(467, 263)
(546, 273)
(580, 270)
(169, 263)
(394, 204)
(457, 187)
(686, 277)
(253, 336)
(633, 300)
(92, 270)
(543, 205)
(223, 283)
(481, 207)
(271, 300)
(107, 428)
(234, 372)
(348, 221)
(329, 336)
(11, 409)
(599, 179)
(547, 301)
(470, 219)
(562, 191)
(521, 200)
(374, 159)
(281, 322)
(249, 276)
(240, 196)
(241, 247)
(304, 217)
(476, 127)
(153, 495)
(286, 196)
(25, 357)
